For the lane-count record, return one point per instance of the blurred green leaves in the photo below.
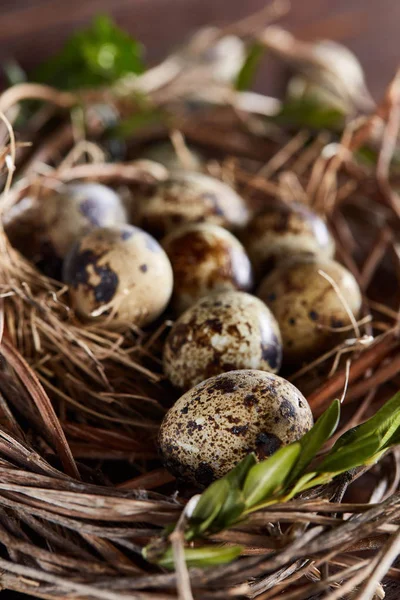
(309, 113)
(98, 55)
(247, 73)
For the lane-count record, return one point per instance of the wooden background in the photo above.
(30, 30)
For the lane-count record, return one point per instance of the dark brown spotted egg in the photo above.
(223, 332)
(282, 231)
(219, 421)
(44, 229)
(190, 197)
(306, 305)
(205, 258)
(119, 275)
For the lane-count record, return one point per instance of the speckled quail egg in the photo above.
(219, 421)
(120, 275)
(282, 231)
(205, 258)
(44, 229)
(306, 305)
(223, 332)
(190, 197)
(165, 154)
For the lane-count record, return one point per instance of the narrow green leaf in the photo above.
(299, 486)
(314, 439)
(231, 510)
(394, 440)
(210, 503)
(238, 474)
(351, 456)
(269, 475)
(382, 424)
(205, 556)
(247, 73)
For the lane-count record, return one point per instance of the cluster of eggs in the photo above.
(193, 245)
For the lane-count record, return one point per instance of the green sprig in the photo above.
(253, 485)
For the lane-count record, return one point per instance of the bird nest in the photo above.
(82, 489)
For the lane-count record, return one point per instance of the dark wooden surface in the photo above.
(30, 30)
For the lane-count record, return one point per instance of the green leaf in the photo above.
(269, 475)
(383, 425)
(205, 556)
(214, 498)
(351, 456)
(210, 503)
(247, 73)
(96, 56)
(238, 474)
(300, 485)
(314, 439)
(231, 510)
(308, 112)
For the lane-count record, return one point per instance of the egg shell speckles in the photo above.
(282, 231)
(219, 421)
(306, 305)
(120, 275)
(223, 332)
(190, 197)
(205, 258)
(45, 229)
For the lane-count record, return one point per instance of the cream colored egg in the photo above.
(219, 421)
(205, 258)
(306, 305)
(223, 332)
(120, 276)
(190, 197)
(44, 229)
(283, 231)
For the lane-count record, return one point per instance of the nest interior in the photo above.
(82, 490)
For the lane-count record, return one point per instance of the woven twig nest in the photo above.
(82, 489)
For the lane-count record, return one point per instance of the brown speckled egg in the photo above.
(219, 421)
(306, 305)
(165, 154)
(119, 275)
(223, 332)
(44, 230)
(205, 258)
(190, 197)
(282, 231)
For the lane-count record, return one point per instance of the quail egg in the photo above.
(219, 421)
(120, 275)
(205, 258)
(165, 154)
(222, 332)
(190, 197)
(282, 231)
(44, 229)
(306, 305)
